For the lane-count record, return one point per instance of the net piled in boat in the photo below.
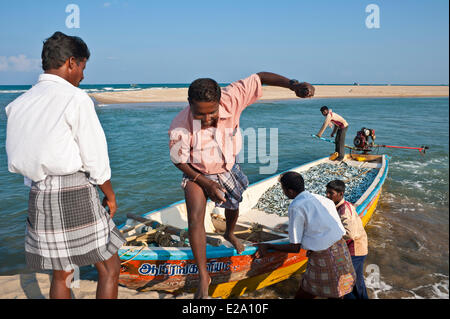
(357, 181)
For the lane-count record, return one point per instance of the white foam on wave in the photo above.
(418, 165)
(133, 89)
(12, 91)
(110, 89)
(439, 289)
(377, 286)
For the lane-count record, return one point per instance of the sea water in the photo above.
(408, 233)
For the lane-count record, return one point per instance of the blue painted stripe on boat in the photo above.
(159, 253)
(183, 253)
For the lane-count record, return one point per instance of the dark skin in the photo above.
(197, 193)
(334, 195)
(108, 270)
(325, 113)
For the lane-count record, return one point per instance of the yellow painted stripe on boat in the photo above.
(238, 288)
(371, 209)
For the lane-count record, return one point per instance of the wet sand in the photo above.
(37, 286)
(276, 93)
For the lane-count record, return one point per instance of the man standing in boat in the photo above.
(315, 226)
(355, 236)
(205, 139)
(55, 140)
(340, 129)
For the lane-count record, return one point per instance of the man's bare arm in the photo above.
(110, 197)
(213, 189)
(301, 89)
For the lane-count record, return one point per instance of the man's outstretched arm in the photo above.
(301, 89)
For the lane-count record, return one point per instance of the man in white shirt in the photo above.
(55, 140)
(315, 226)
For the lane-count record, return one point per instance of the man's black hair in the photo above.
(60, 47)
(204, 90)
(293, 181)
(323, 108)
(337, 185)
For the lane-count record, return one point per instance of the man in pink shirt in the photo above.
(340, 126)
(204, 141)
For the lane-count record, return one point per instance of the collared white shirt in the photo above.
(53, 129)
(314, 222)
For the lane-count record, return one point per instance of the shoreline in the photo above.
(275, 93)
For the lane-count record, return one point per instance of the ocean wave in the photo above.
(419, 164)
(12, 91)
(110, 89)
(373, 281)
(131, 89)
(437, 290)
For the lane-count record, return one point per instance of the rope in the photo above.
(131, 250)
(183, 238)
(255, 228)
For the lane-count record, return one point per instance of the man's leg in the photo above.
(59, 287)
(231, 220)
(108, 278)
(301, 294)
(196, 206)
(341, 137)
(359, 290)
(360, 286)
(336, 140)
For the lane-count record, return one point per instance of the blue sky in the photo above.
(147, 41)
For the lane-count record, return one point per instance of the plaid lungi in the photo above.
(329, 273)
(67, 226)
(235, 183)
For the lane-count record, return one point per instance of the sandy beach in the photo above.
(275, 93)
(37, 286)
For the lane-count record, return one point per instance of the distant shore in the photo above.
(276, 93)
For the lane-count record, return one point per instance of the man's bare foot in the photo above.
(202, 290)
(235, 242)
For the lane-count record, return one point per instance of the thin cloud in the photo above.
(19, 63)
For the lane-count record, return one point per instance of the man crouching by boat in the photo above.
(204, 141)
(55, 140)
(315, 226)
(355, 236)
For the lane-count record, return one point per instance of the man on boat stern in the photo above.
(355, 236)
(204, 141)
(340, 127)
(315, 226)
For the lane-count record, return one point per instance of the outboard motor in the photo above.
(361, 140)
